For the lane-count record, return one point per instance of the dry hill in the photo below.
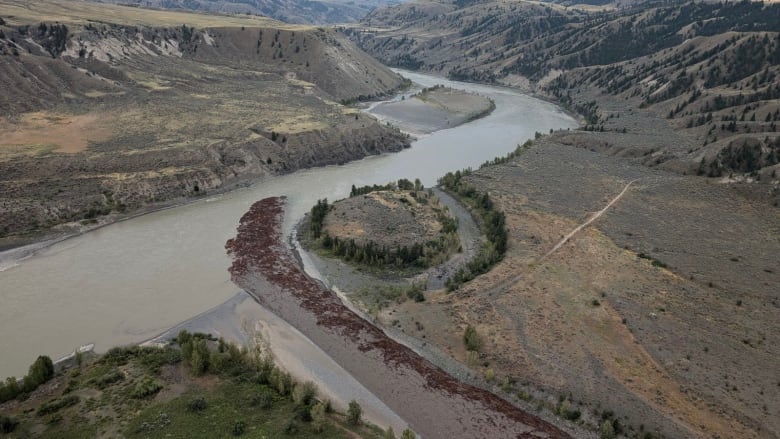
(108, 108)
(711, 69)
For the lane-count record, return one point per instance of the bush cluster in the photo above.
(41, 371)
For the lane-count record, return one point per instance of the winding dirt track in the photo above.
(593, 217)
(435, 404)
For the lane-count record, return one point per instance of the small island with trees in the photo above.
(399, 227)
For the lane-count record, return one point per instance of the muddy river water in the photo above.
(132, 280)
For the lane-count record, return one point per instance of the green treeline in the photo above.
(418, 255)
(318, 213)
(41, 371)
(493, 224)
(402, 184)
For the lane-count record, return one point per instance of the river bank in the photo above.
(243, 321)
(416, 389)
(434, 108)
(140, 276)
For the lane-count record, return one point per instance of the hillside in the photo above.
(288, 11)
(194, 386)
(108, 109)
(637, 293)
(710, 69)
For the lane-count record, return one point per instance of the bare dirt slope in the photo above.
(107, 108)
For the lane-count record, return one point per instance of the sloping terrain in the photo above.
(289, 11)
(660, 314)
(109, 108)
(711, 69)
(656, 319)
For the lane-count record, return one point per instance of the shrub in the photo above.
(7, 424)
(471, 339)
(264, 399)
(107, 379)
(200, 357)
(607, 432)
(408, 434)
(10, 390)
(566, 411)
(354, 413)
(146, 387)
(303, 394)
(292, 427)
(57, 404)
(197, 405)
(302, 413)
(318, 418)
(239, 428)
(41, 371)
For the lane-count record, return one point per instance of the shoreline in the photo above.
(28, 245)
(527, 91)
(243, 320)
(409, 384)
(433, 109)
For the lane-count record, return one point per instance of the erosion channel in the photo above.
(134, 279)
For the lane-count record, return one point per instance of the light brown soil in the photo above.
(65, 133)
(686, 351)
(382, 217)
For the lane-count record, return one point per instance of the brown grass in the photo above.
(48, 131)
(79, 13)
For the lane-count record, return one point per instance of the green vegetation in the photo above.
(7, 424)
(150, 392)
(471, 339)
(567, 412)
(371, 254)
(318, 213)
(402, 184)
(57, 404)
(41, 371)
(377, 297)
(654, 262)
(519, 150)
(354, 413)
(491, 221)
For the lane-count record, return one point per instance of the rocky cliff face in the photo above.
(103, 117)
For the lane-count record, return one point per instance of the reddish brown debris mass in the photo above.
(433, 402)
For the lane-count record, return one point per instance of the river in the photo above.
(134, 279)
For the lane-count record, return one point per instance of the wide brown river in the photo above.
(132, 280)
